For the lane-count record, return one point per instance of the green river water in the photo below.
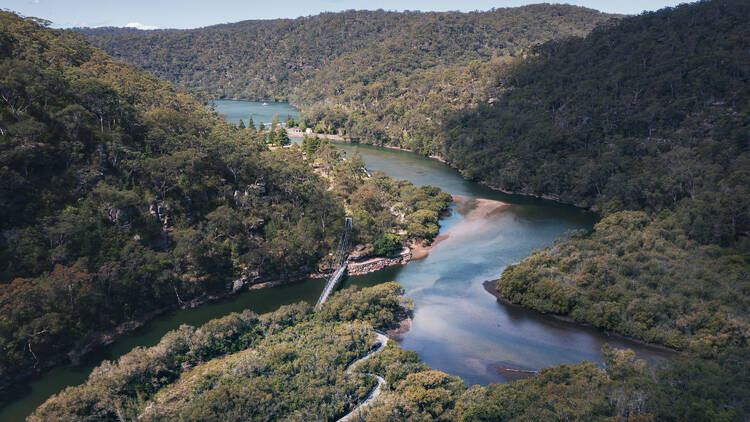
(458, 327)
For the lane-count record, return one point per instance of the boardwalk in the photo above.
(341, 260)
(357, 411)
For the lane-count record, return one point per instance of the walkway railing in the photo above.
(341, 262)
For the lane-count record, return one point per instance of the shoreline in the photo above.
(376, 264)
(471, 208)
(400, 325)
(420, 251)
(413, 251)
(474, 209)
(106, 337)
(441, 159)
(109, 336)
(490, 286)
(296, 133)
(547, 197)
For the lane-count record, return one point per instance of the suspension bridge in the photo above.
(341, 261)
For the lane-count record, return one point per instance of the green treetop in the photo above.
(281, 137)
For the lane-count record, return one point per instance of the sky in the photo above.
(152, 14)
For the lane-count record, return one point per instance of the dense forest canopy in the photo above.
(122, 196)
(639, 115)
(285, 365)
(384, 77)
(291, 365)
(642, 277)
(385, 212)
(650, 115)
(272, 59)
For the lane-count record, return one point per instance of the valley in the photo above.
(549, 205)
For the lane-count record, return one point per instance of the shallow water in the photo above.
(458, 327)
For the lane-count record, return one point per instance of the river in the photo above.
(234, 110)
(458, 327)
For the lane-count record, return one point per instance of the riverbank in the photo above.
(472, 209)
(547, 197)
(420, 250)
(104, 338)
(376, 264)
(296, 133)
(433, 156)
(412, 252)
(100, 339)
(490, 286)
(477, 208)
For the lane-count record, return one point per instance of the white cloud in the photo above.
(35, 1)
(141, 26)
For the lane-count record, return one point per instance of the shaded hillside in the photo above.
(384, 77)
(651, 114)
(644, 113)
(270, 59)
(121, 195)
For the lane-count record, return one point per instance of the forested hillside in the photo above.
(637, 115)
(650, 115)
(271, 59)
(291, 365)
(285, 365)
(121, 196)
(385, 77)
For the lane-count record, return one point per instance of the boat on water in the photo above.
(265, 104)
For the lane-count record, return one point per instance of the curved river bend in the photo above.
(458, 327)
